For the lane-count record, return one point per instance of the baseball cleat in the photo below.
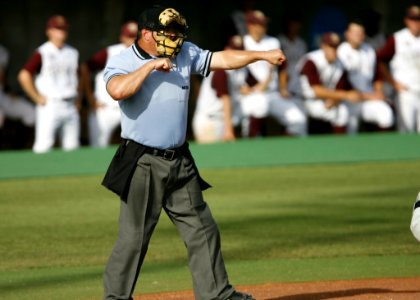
(240, 296)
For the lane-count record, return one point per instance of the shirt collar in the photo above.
(140, 52)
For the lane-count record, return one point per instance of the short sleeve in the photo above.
(386, 53)
(220, 83)
(344, 83)
(310, 71)
(97, 61)
(200, 59)
(34, 63)
(116, 65)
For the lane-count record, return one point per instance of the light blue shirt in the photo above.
(157, 114)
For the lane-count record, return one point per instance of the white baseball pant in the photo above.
(102, 123)
(373, 111)
(338, 115)
(408, 111)
(56, 116)
(285, 111)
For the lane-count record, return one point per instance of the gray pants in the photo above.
(173, 186)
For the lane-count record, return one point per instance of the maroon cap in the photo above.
(331, 39)
(58, 22)
(256, 17)
(413, 12)
(235, 42)
(129, 29)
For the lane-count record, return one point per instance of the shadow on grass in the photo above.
(289, 232)
(49, 280)
(339, 294)
(38, 278)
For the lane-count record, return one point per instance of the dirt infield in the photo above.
(390, 288)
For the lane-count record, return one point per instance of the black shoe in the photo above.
(240, 296)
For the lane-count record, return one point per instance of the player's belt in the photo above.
(167, 154)
(417, 204)
(68, 99)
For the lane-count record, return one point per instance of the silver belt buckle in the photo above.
(169, 154)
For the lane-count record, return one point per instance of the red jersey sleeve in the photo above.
(282, 67)
(310, 71)
(250, 79)
(219, 82)
(344, 83)
(97, 61)
(379, 75)
(34, 63)
(386, 53)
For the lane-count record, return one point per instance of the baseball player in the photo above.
(153, 169)
(16, 108)
(12, 106)
(359, 60)
(104, 116)
(371, 20)
(275, 101)
(321, 81)
(415, 220)
(50, 79)
(401, 53)
(4, 63)
(292, 44)
(217, 111)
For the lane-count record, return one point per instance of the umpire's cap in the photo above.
(159, 18)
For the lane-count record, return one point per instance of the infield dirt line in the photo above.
(366, 289)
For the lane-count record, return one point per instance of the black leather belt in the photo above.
(417, 204)
(167, 154)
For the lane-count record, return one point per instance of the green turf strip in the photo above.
(243, 153)
(310, 150)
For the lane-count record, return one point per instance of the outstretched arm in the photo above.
(235, 59)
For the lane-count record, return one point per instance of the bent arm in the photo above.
(336, 95)
(227, 118)
(86, 85)
(123, 86)
(235, 59)
(26, 81)
(389, 78)
(377, 93)
(283, 81)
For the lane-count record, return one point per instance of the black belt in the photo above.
(417, 204)
(167, 154)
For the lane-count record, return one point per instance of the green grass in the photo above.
(290, 223)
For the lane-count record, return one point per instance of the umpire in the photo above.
(153, 168)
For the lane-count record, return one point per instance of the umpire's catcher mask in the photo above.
(170, 27)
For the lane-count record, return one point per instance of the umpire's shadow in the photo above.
(339, 294)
